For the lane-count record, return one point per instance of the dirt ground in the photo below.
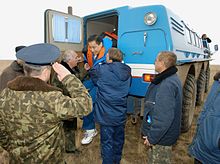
(134, 151)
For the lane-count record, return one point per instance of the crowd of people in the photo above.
(43, 93)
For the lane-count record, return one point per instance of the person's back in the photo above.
(113, 81)
(32, 111)
(32, 126)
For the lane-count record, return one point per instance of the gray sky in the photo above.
(22, 22)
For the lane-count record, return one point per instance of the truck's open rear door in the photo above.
(63, 30)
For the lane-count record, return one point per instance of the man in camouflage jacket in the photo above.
(32, 111)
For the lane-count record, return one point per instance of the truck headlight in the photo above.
(150, 18)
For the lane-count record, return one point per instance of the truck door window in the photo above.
(66, 29)
(74, 33)
(59, 31)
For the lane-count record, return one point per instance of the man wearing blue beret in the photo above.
(31, 111)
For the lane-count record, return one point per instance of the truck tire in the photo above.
(207, 80)
(201, 88)
(189, 99)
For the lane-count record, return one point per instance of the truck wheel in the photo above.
(201, 88)
(189, 98)
(207, 80)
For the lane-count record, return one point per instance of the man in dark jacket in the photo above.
(113, 82)
(69, 60)
(205, 147)
(12, 71)
(9, 73)
(163, 104)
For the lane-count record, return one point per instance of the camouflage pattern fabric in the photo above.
(32, 112)
(3, 135)
(158, 154)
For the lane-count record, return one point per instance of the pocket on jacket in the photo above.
(149, 107)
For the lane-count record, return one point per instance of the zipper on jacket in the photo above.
(150, 102)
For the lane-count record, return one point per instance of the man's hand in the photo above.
(146, 142)
(86, 66)
(60, 70)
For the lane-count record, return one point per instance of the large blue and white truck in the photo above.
(142, 33)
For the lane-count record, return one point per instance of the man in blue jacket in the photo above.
(113, 82)
(95, 55)
(205, 147)
(162, 115)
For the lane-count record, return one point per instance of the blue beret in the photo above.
(39, 54)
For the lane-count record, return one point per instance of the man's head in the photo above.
(114, 55)
(164, 60)
(71, 58)
(38, 58)
(42, 72)
(205, 37)
(95, 44)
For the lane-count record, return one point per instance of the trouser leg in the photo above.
(88, 121)
(119, 137)
(106, 135)
(69, 131)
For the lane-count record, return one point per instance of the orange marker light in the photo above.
(148, 77)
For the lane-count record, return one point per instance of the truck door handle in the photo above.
(145, 38)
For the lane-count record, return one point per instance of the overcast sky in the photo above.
(22, 22)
